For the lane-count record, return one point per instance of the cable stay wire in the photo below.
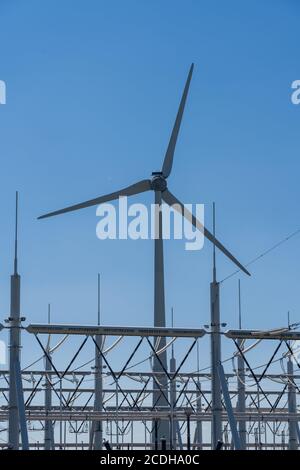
(263, 254)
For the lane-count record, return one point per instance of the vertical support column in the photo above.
(241, 401)
(14, 356)
(259, 422)
(173, 401)
(198, 431)
(298, 432)
(231, 418)
(293, 445)
(179, 437)
(283, 439)
(188, 429)
(159, 400)
(215, 338)
(173, 423)
(49, 444)
(215, 362)
(21, 405)
(60, 409)
(98, 404)
(48, 434)
(14, 345)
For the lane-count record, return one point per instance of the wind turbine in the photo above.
(158, 184)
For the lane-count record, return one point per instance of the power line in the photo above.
(266, 252)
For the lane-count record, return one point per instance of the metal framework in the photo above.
(61, 405)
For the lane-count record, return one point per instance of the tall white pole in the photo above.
(215, 336)
(14, 345)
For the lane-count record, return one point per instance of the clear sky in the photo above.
(92, 92)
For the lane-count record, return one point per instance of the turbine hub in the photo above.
(158, 182)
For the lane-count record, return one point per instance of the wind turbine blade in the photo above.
(168, 161)
(136, 188)
(170, 199)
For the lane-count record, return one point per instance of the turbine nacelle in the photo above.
(158, 181)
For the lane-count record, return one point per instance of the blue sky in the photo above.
(92, 92)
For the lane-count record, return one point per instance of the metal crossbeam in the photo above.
(91, 330)
(282, 335)
(138, 415)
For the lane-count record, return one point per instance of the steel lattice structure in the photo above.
(61, 404)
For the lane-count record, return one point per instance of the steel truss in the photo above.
(60, 403)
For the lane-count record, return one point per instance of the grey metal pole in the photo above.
(117, 414)
(159, 401)
(188, 430)
(48, 435)
(173, 401)
(76, 435)
(60, 409)
(241, 401)
(172, 393)
(14, 345)
(215, 361)
(198, 430)
(145, 434)
(21, 406)
(98, 404)
(259, 422)
(256, 439)
(283, 439)
(231, 418)
(292, 407)
(216, 425)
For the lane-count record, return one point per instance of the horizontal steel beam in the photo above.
(282, 335)
(127, 409)
(139, 374)
(136, 415)
(91, 330)
(125, 390)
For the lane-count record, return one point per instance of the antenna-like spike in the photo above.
(172, 324)
(198, 357)
(240, 306)
(289, 327)
(48, 347)
(16, 235)
(98, 299)
(214, 247)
